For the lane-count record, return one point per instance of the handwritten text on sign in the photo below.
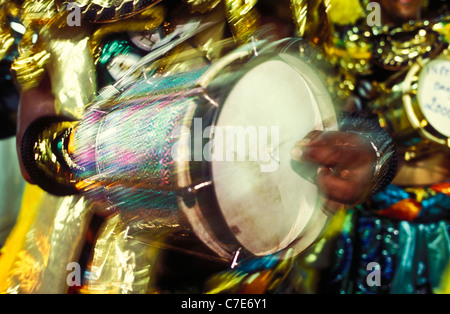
(434, 94)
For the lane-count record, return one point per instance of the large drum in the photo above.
(210, 150)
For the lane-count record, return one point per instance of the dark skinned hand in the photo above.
(340, 163)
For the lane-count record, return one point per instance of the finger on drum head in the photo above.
(332, 155)
(337, 189)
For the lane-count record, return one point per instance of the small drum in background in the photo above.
(414, 107)
(429, 81)
(210, 150)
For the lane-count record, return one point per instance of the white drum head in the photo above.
(267, 205)
(434, 94)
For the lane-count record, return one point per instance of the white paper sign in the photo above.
(434, 94)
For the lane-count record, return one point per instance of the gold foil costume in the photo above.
(6, 36)
(312, 20)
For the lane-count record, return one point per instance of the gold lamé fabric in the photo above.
(39, 12)
(46, 19)
(101, 11)
(66, 57)
(71, 70)
(243, 18)
(9, 9)
(69, 49)
(43, 11)
(29, 67)
(312, 20)
(120, 263)
(48, 236)
(202, 6)
(50, 231)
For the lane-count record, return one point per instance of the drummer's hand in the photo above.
(340, 163)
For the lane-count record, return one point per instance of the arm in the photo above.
(41, 141)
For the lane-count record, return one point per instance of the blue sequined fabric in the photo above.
(412, 255)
